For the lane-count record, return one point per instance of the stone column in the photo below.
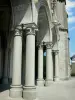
(0, 59)
(40, 80)
(16, 87)
(5, 74)
(56, 65)
(29, 92)
(49, 64)
(0, 64)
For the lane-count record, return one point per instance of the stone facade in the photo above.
(32, 28)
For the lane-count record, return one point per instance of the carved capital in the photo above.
(40, 47)
(31, 28)
(18, 32)
(56, 51)
(30, 31)
(49, 45)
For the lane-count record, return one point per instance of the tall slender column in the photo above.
(16, 87)
(5, 75)
(40, 80)
(49, 64)
(56, 65)
(0, 59)
(0, 64)
(29, 92)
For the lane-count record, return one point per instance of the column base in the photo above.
(5, 80)
(56, 79)
(48, 82)
(29, 93)
(63, 79)
(15, 91)
(40, 82)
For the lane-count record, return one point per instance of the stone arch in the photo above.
(21, 12)
(44, 13)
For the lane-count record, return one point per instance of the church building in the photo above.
(33, 33)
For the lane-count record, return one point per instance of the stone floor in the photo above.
(64, 90)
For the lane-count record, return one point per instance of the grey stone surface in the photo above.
(63, 90)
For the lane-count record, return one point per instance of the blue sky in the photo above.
(70, 7)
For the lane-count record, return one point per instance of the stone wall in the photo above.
(63, 54)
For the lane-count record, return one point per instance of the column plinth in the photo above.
(29, 89)
(16, 87)
(40, 80)
(16, 91)
(49, 64)
(29, 93)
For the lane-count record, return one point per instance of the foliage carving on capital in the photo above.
(49, 45)
(18, 32)
(56, 51)
(30, 31)
(40, 46)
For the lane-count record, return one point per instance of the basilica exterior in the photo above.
(28, 30)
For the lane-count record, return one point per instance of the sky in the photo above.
(70, 8)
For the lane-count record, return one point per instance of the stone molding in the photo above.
(63, 29)
(30, 29)
(49, 45)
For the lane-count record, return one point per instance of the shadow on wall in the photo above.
(21, 12)
(4, 87)
(43, 25)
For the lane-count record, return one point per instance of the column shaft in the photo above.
(40, 80)
(16, 88)
(49, 64)
(30, 61)
(29, 92)
(56, 66)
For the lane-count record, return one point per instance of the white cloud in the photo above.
(70, 4)
(73, 28)
(71, 19)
